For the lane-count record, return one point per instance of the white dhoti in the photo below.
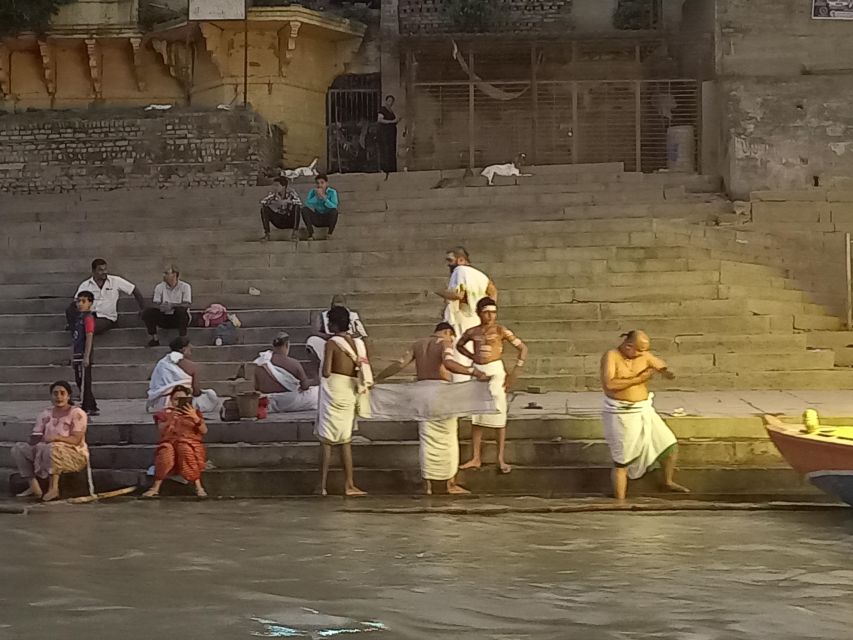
(289, 401)
(439, 448)
(638, 437)
(428, 400)
(337, 409)
(497, 374)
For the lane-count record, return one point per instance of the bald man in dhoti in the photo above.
(467, 286)
(435, 402)
(639, 439)
(177, 369)
(282, 379)
(344, 388)
(488, 340)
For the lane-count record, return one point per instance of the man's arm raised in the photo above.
(659, 365)
(609, 381)
(396, 367)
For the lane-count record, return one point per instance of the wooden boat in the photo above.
(824, 457)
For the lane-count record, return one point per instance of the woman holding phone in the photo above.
(181, 448)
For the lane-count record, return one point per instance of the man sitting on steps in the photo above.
(176, 369)
(284, 379)
(172, 299)
(106, 289)
(282, 209)
(321, 207)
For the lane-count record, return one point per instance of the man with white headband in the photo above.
(488, 344)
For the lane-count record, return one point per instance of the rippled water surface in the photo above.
(306, 569)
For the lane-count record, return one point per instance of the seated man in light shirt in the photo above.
(106, 289)
(171, 306)
(321, 207)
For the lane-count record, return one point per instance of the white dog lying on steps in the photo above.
(301, 172)
(506, 170)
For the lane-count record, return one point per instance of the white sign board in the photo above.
(217, 10)
(832, 9)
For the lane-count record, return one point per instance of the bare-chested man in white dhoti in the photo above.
(439, 438)
(467, 286)
(488, 339)
(639, 439)
(346, 371)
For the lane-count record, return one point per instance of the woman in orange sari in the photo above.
(181, 449)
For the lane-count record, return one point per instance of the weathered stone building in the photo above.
(751, 90)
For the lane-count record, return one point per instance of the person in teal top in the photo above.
(321, 207)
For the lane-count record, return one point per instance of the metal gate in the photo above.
(352, 106)
(553, 122)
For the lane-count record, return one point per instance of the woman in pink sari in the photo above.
(57, 445)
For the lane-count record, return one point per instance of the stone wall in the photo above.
(433, 16)
(63, 151)
(779, 38)
(785, 88)
(783, 133)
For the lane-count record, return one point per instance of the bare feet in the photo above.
(324, 493)
(200, 492)
(30, 493)
(504, 468)
(151, 493)
(674, 487)
(455, 489)
(354, 492)
(473, 463)
(428, 487)
(50, 495)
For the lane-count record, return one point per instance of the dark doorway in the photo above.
(352, 108)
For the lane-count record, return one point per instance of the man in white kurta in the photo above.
(466, 287)
(638, 438)
(435, 402)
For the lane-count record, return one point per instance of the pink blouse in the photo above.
(73, 422)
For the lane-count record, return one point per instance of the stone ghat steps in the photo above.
(404, 455)
(566, 379)
(726, 483)
(597, 200)
(537, 365)
(384, 235)
(586, 268)
(593, 343)
(757, 300)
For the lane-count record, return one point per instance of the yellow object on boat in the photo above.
(811, 420)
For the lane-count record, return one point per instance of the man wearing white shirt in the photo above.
(467, 286)
(171, 306)
(106, 289)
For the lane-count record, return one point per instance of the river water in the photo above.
(308, 569)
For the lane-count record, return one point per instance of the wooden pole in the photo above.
(849, 272)
(471, 108)
(575, 130)
(535, 90)
(245, 53)
(638, 127)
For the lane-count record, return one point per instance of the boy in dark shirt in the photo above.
(82, 339)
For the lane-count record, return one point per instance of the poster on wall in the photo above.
(217, 10)
(832, 9)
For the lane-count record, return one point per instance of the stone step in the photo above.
(721, 430)
(404, 455)
(840, 342)
(538, 365)
(396, 340)
(708, 380)
(543, 481)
